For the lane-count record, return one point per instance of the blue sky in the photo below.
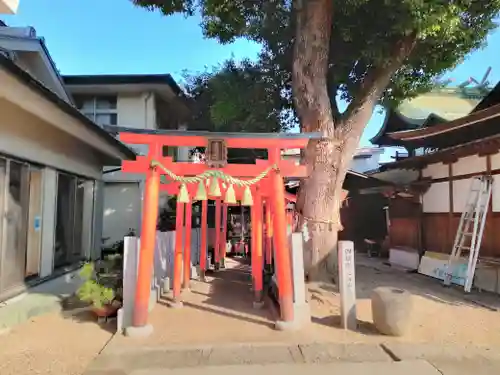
(113, 36)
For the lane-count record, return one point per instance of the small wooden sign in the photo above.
(216, 154)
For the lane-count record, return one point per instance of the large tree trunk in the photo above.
(321, 199)
(328, 158)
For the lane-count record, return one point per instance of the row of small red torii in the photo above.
(269, 193)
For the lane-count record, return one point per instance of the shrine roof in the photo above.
(477, 125)
(443, 129)
(482, 145)
(426, 110)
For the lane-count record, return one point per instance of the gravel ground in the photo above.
(440, 315)
(220, 312)
(52, 344)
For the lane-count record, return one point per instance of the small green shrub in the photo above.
(91, 290)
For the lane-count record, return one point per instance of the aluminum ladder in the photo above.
(470, 229)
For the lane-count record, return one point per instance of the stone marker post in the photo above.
(347, 285)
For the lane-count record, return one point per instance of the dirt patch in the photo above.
(220, 312)
(440, 315)
(52, 344)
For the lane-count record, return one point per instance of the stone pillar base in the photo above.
(258, 305)
(301, 318)
(195, 271)
(202, 276)
(143, 331)
(175, 304)
(165, 285)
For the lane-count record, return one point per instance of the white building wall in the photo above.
(123, 191)
(29, 138)
(362, 165)
(436, 199)
(469, 164)
(131, 111)
(464, 166)
(26, 137)
(438, 170)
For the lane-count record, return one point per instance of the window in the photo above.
(100, 109)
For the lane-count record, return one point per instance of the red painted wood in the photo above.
(224, 231)
(200, 141)
(146, 255)
(204, 230)
(257, 247)
(269, 233)
(179, 228)
(187, 247)
(284, 270)
(218, 207)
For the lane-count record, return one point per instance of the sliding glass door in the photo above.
(15, 224)
(21, 212)
(3, 192)
(70, 220)
(20, 223)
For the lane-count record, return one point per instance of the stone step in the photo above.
(418, 367)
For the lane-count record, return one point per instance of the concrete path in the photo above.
(396, 368)
(350, 359)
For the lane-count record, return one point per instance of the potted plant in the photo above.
(97, 289)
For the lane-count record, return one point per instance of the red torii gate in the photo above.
(264, 180)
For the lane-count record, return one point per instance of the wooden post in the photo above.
(148, 237)
(204, 230)
(187, 247)
(257, 248)
(269, 233)
(283, 264)
(217, 233)
(450, 236)
(253, 244)
(179, 226)
(223, 242)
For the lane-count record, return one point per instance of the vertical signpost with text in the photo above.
(347, 285)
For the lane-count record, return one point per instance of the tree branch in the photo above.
(374, 84)
(310, 64)
(332, 92)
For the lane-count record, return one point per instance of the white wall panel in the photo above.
(469, 164)
(495, 161)
(460, 192)
(438, 170)
(495, 196)
(436, 199)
